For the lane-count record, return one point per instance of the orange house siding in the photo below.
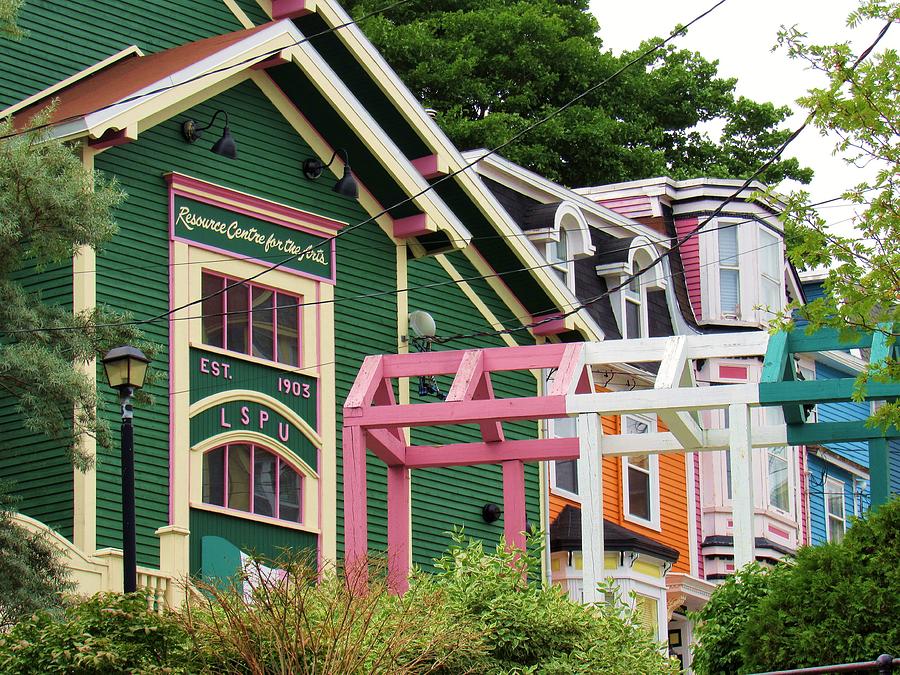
(673, 499)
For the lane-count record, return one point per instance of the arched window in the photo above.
(250, 478)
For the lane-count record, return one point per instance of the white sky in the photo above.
(740, 34)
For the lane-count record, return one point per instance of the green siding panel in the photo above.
(133, 268)
(63, 38)
(38, 467)
(268, 541)
(446, 498)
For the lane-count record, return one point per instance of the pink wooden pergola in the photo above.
(374, 420)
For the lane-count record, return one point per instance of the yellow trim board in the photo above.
(223, 397)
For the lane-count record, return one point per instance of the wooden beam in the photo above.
(495, 358)
(590, 487)
(742, 484)
(639, 401)
(881, 350)
(776, 358)
(822, 391)
(565, 379)
(835, 432)
(387, 446)
(824, 340)
(367, 381)
(879, 471)
(471, 368)
(514, 518)
(461, 412)
(674, 371)
(664, 442)
(699, 347)
(398, 540)
(466, 454)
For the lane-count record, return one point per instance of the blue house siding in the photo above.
(843, 412)
(894, 463)
(820, 470)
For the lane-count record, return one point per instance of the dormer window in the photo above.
(741, 272)
(560, 232)
(637, 271)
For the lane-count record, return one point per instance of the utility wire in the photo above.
(453, 174)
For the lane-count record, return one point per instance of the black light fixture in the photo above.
(491, 513)
(125, 369)
(312, 169)
(225, 146)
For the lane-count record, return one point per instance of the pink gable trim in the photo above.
(690, 258)
(428, 167)
(290, 9)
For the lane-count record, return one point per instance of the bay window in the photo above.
(771, 266)
(251, 319)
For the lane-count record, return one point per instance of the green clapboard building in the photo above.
(241, 450)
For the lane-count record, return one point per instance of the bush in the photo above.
(722, 621)
(530, 628)
(835, 603)
(32, 577)
(108, 633)
(838, 603)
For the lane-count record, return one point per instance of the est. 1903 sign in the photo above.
(219, 229)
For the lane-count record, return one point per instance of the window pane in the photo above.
(728, 246)
(771, 294)
(214, 477)
(289, 494)
(562, 247)
(638, 492)
(835, 530)
(212, 309)
(288, 329)
(632, 319)
(779, 496)
(263, 482)
(834, 499)
(263, 320)
(635, 425)
(770, 262)
(565, 427)
(728, 472)
(567, 475)
(730, 290)
(239, 477)
(634, 285)
(238, 319)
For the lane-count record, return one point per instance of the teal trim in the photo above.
(818, 391)
(879, 470)
(821, 433)
(826, 339)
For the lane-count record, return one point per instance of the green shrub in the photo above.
(838, 603)
(722, 621)
(32, 576)
(106, 634)
(530, 628)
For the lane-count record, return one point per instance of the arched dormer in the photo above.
(625, 258)
(561, 232)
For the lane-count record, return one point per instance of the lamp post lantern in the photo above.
(125, 369)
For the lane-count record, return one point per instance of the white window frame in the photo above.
(563, 492)
(764, 249)
(750, 270)
(564, 265)
(654, 521)
(638, 298)
(833, 485)
(790, 492)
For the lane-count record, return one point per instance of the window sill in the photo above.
(254, 517)
(293, 370)
(649, 524)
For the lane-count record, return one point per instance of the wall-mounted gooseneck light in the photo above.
(225, 146)
(312, 169)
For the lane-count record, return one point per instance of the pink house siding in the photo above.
(690, 256)
(632, 207)
(698, 515)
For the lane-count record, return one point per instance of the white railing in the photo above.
(157, 586)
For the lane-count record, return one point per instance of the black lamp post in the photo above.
(125, 370)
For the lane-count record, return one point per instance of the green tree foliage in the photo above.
(104, 635)
(858, 107)
(492, 68)
(838, 603)
(9, 12)
(722, 620)
(835, 603)
(32, 577)
(50, 207)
